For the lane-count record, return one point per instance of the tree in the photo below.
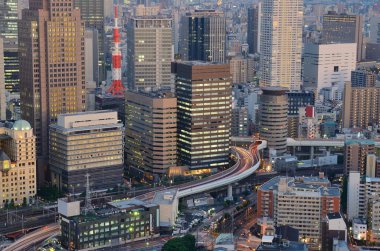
(12, 204)
(185, 243)
(24, 202)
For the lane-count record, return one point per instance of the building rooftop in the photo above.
(334, 216)
(224, 239)
(360, 141)
(3, 156)
(372, 180)
(359, 221)
(286, 246)
(85, 113)
(307, 185)
(159, 93)
(165, 197)
(21, 125)
(133, 206)
(199, 63)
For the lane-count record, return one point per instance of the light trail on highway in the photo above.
(37, 236)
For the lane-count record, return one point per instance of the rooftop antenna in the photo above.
(88, 207)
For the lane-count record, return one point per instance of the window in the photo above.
(336, 68)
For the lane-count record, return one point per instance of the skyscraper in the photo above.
(203, 36)
(273, 118)
(281, 43)
(52, 80)
(9, 32)
(92, 13)
(151, 132)
(343, 28)
(253, 29)
(2, 83)
(203, 93)
(149, 51)
(8, 19)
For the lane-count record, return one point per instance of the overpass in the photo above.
(248, 162)
(305, 142)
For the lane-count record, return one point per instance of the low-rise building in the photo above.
(311, 199)
(114, 224)
(359, 229)
(333, 228)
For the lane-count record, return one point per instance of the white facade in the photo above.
(2, 83)
(353, 195)
(327, 65)
(281, 43)
(91, 53)
(359, 229)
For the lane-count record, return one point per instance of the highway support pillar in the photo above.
(229, 193)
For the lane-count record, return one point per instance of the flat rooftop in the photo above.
(166, 197)
(302, 184)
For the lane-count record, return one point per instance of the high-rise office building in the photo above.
(149, 51)
(8, 19)
(361, 106)
(343, 28)
(52, 80)
(253, 28)
(204, 96)
(273, 114)
(9, 32)
(91, 55)
(363, 78)
(151, 131)
(327, 65)
(86, 143)
(203, 36)
(281, 43)
(17, 163)
(356, 152)
(310, 200)
(11, 67)
(92, 13)
(3, 102)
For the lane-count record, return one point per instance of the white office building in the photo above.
(328, 65)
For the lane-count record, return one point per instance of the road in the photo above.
(34, 238)
(246, 160)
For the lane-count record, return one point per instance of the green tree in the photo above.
(185, 243)
(24, 202)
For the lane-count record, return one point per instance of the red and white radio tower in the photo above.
(116, 88)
